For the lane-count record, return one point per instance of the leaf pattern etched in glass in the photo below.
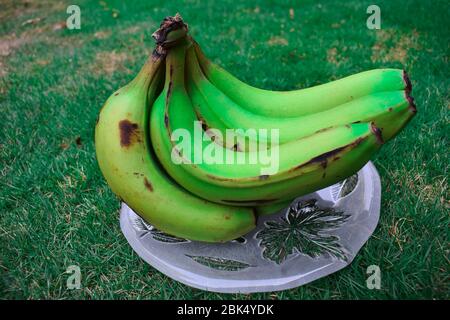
(344, 187)
(156, 234)
(303, 230)
(349, 185)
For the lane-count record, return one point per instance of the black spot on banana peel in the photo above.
(169, 91)
(168, 96)
(204, 126)
(171, 72)
(129, 133)
(166, 120)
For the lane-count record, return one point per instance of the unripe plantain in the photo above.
(295, 103)
(133, 173)
(214, 107)
(327, 156)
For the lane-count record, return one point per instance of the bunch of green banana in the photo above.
(324, 134)
(131, 169)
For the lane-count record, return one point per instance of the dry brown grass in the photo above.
(382, 51)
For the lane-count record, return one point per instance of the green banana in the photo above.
(304, 101)
(242, 183)
(131, 170)
(214, 106)
(326, 134)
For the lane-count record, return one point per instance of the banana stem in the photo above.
(175, 65)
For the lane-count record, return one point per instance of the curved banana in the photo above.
(327, 157)
(131, 170)
(304, 101)
(213, 106)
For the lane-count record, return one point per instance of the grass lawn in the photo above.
(57, 210)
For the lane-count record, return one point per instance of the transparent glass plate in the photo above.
(318, 234)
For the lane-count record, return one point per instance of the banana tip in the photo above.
(408, 85)
(408, 88)
(377, 132)
(412, 106)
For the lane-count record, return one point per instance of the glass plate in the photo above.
(318, 234)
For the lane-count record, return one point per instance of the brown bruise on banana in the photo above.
(148, 185)
(335, 154)
(329, 156)
(322, 159)
(377, 132)
(129, 133)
